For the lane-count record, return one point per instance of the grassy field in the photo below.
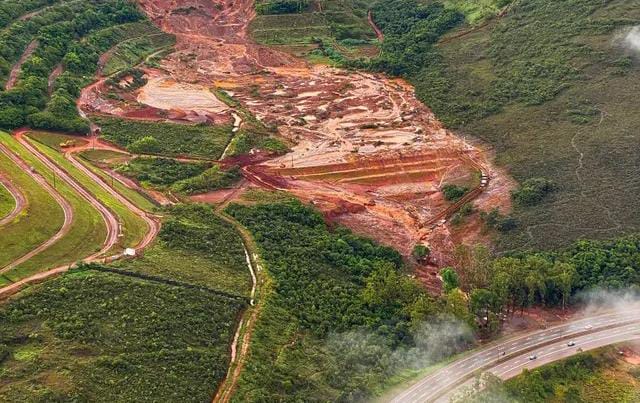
(198, 248)
(104, 337)
(42, 218)
(133, 227)
(86, 235)
(134, 196)
(7, 202)
(593, 377)
(167, 139)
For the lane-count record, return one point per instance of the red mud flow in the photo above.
(366, 152)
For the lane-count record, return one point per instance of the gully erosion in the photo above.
(363, 149)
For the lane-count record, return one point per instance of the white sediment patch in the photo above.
(165, 93)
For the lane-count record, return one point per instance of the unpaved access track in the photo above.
(18, 197)
(64, 204)
(113, 226)
(366, 151)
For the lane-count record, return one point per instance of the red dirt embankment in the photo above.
(366, 151)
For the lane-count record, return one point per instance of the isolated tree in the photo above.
(421, 252)
(450, 279)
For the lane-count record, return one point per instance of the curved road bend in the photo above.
(18, 197)
(64, 204)
(152, 224)
(109, 218)
(507, 358)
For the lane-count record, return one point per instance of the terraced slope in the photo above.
(86, 233)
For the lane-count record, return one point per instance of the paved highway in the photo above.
(507, 358)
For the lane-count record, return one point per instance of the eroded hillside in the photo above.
(364, 149)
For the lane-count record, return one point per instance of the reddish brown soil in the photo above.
(366, 151)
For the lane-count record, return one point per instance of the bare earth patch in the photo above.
(366, 151)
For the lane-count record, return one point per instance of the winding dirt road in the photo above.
(18, 197)
(64, 204)
(111, 221)
(153, 224)
(109, 218)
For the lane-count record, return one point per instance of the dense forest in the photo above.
(340, 307)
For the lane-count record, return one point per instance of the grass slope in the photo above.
(168, 139)
(133, 227)
(551, 88)
(7, 202)
(86, 235)
(196, 247)
(104, 337)
(42, 218)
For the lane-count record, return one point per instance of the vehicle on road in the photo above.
(533, 357)
(571, 343)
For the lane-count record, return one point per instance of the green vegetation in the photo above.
(339, 316)
(42, 218)
(160, 172)
(338, 24)
(133, 227)
(98, 336)
(281, 6)
(136, 197)
(594, 377)
(11, 10)
(72, 35)
(181, 177)
(477, 10)
(552, 279)
(552, 98)
(196, 247)
(167, 139)
(135, 50)
(7, 202)
(421, 252)
(532, 191)
(86, 235)
(213, 178)
(75, 43)
(453, 192)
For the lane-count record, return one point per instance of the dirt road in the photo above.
(153, 224)
(331, 116)
(15, 70)
(18, 197)
(64, 204)
(111, 221)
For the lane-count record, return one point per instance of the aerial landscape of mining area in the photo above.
(319, 200)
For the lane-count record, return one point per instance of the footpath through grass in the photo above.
(86, 235)
(133, 227)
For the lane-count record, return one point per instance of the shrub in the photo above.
(453, 192)
(532, 191)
